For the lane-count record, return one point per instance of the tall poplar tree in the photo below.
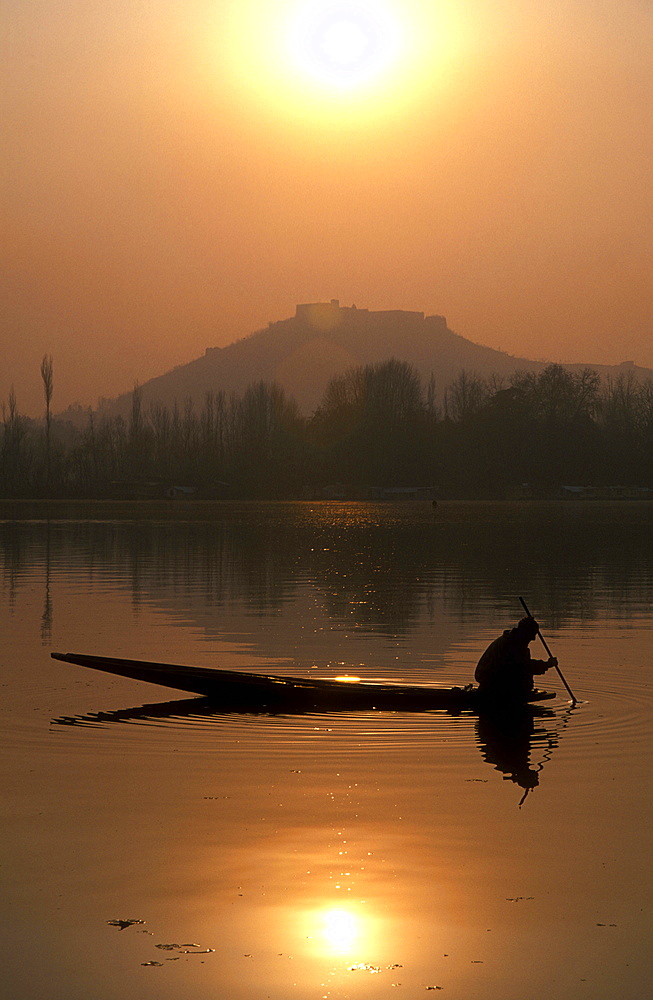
(46, 375)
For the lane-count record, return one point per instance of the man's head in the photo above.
(528, 627)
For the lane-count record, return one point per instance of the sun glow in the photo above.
(340, 930)
(343, 45)
(343, 64)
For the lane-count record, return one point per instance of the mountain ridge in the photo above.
(323, 339)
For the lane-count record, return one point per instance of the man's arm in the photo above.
(541, 666)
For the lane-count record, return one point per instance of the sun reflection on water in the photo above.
(344, 932)
(340, 930)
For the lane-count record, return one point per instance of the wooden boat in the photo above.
(237, 689)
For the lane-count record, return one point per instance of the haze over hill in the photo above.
(325, 339)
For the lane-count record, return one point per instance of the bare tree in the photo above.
(46, 375)
(12, 454)
(465, 396)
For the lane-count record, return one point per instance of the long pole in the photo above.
(551, 657)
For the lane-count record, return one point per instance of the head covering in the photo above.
(529, 626)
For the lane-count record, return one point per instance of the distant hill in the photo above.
(325, 339)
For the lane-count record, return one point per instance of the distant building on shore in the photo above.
(329, 315)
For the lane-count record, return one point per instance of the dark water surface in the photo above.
(353, 855)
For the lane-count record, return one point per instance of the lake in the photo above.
(155, 847)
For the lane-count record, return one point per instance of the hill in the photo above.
(321, 340)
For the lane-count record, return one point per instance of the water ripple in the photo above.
(207, 729)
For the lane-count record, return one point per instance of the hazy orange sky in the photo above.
(174, 176)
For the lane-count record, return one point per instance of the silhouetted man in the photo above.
(506, 668)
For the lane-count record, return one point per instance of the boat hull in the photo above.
(266, 691)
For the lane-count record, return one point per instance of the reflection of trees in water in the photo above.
(385, 576)
(47, 614)
(218, 565)
(373, 578)
(15, 556)
(574, 568)
(375, 572)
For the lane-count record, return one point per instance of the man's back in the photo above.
(506, 667)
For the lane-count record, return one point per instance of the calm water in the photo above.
(362, 855)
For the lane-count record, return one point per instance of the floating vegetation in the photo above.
(187, 948)
(175, 947)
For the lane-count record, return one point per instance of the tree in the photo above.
(465, 396)
(46, 375)
(267, 439)
(624, 415)
(369, 424)
(554, 437)
(138, 455)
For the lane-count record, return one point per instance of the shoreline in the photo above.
(211, 510)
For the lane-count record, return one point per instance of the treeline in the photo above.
(377, 426)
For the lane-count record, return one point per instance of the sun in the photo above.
(333, 67)
(343, 45)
